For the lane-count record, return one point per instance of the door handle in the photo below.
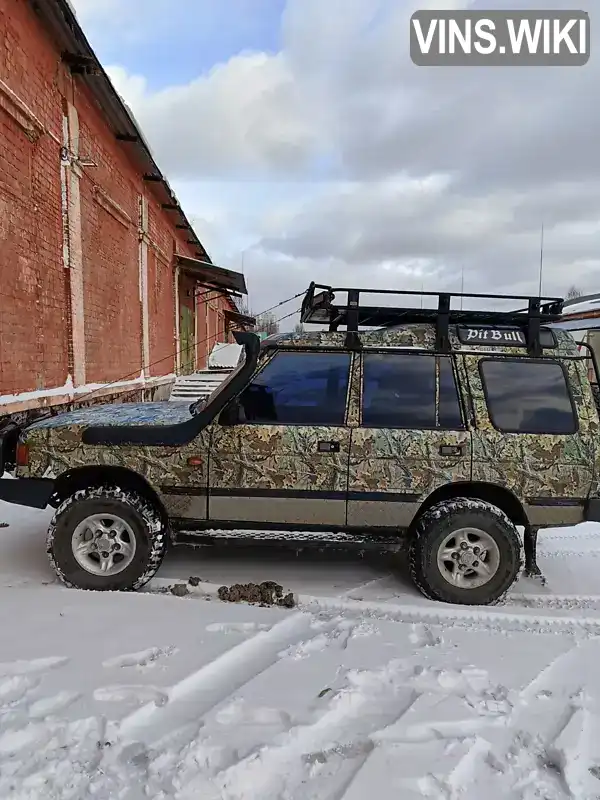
(452, 449)
(328, 447)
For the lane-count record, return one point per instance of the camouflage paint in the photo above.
(51, 455)
(421, 335)
(405, 462)
(254, 458)
(353, 409)
(418, 335)
(260, 458)
(532, 465)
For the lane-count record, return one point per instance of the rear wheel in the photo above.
(464, 551)
(106, 538)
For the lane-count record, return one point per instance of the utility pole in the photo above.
(541, 259)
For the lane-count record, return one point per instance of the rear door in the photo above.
(411, 437)
(286, 461)
(532, 432)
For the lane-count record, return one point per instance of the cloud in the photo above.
(336, 158)
(238, 121)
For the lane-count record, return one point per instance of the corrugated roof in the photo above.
(59, 19)
(225, 355)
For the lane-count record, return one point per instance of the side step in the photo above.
(292, 539)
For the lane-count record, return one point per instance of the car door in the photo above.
(411, 439)
(532, 432)
(285, 459)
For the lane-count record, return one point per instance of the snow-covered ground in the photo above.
(364, 690)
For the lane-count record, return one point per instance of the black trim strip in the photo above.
(239, 492)
(291, 494)
(556, 501)
(392, 497)
(285, 494)
(184, 432)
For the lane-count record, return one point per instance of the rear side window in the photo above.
(401, 391)
(299, 389)
(528, 396)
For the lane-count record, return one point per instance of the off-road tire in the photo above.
(435, 525)
(145, 520)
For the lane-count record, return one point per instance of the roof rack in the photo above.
(318, 307)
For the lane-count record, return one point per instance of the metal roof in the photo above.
(209, 273)
(60, 22)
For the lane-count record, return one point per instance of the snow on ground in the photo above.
(366, 689)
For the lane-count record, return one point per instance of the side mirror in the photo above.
(230, 414)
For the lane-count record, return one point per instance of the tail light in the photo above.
(22, 455)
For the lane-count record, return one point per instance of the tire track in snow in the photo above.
(201, 691)
(545, 730)
(563, 602)
(371, 701)
(476, 617)
(514, 612)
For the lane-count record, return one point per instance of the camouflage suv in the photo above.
(449, 428)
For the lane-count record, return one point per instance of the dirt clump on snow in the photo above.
(267, 593)
(180, 590)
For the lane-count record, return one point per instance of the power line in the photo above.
(541, 259)
(180, 351)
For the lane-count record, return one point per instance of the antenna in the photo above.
(462, 286)
(541, 259)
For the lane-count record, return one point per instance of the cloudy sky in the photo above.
(303, 142)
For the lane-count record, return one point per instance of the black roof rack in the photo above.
(318, 307)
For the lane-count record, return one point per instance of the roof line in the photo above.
(60, 21)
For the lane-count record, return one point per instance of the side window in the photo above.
(399, 391)
(299, 389)
(528, 396)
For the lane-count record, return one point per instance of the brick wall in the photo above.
(109, 211)
(86, 320)
(33, 336)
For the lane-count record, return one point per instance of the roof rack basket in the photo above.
(318, 307)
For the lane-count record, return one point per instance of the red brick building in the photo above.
(102, 278)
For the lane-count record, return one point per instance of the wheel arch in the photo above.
(498, 496)
(78, 478)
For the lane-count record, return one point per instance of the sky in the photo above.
(305, 145)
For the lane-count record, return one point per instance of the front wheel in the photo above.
(464, 551)
(106, 538)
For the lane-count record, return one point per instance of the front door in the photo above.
(532, 432)
(411, 440)
(286, 460)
